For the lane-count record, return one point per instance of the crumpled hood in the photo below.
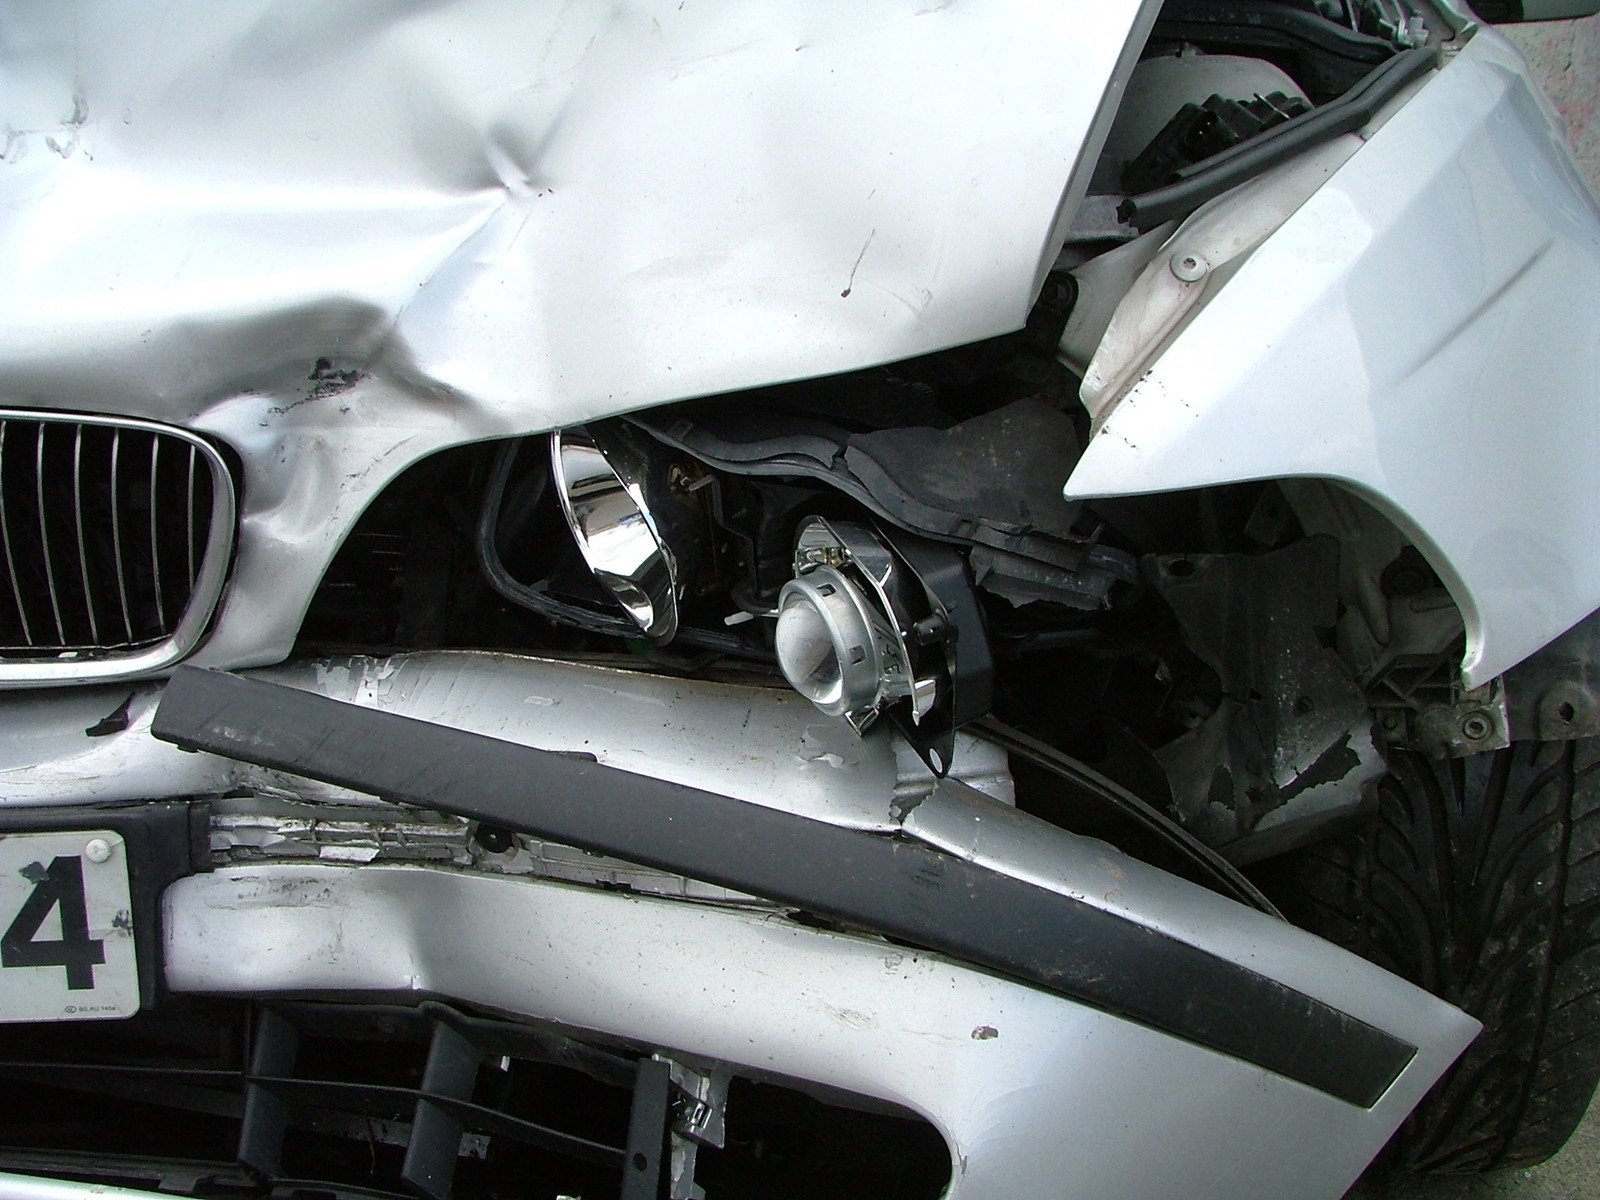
(528, 213)
(340, 238)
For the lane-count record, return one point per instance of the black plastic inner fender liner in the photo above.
(887, 885)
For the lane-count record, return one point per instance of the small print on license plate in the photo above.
(66, 927)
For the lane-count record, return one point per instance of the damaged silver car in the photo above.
(685, 600)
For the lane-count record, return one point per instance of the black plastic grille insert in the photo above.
(104, 531)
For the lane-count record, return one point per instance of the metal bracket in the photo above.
(701, 1120)
(1477, 721)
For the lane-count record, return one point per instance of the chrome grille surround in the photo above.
(115, 540)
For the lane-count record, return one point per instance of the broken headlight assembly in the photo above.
(865, 630)
(849, 561)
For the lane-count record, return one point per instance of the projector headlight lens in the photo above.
(838, 640)
(826, 646)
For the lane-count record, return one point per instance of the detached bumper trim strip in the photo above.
(885, 885)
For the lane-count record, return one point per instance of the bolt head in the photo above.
(1476, 726)
(98, 850)
(1189, 267)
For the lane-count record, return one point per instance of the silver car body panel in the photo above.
(487, 218)
(340, 242)
(1035, 1095)
(730, 978)
(1425, 330)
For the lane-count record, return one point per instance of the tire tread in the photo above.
(1479, 879)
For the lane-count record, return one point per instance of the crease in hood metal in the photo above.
(340, 238)
(545, 212)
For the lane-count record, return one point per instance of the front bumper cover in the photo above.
(1016, 995)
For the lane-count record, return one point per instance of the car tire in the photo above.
(1479, 879)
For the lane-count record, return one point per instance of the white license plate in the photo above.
(66, 927)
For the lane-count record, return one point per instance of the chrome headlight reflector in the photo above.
(623, 522)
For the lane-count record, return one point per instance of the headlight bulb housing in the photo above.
(861, 634)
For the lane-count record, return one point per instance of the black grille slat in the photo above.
(11, 564)
(647, 1131)
(105, 529)
(155, 532)
(83, 546)
(189, 514)
(39, 476)
(116, 532)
